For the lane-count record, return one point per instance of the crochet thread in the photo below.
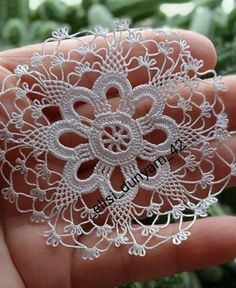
(48, 133)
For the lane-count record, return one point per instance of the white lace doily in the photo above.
(164, 129)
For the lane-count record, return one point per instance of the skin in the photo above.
(25, 260)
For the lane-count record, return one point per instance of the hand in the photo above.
(25, 260)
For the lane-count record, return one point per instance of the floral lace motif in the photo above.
(61, 119)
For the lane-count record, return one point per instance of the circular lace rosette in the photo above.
(132, 107)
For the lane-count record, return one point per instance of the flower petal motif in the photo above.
(181, 236)
(219, 84)
(38, 216)
(120, 239)
(191, 164)
(21, 70)
(74, 229)
(69, 145)
(206, 109)
(9, 194)
(100, 31)
(192, 64)
(36, 59)
(122, 25)
(53, 239)
(91, 253)
(164, 48)
(137, 250)
(60, 34)
(222, 121)
(58, 60)
(222, 134)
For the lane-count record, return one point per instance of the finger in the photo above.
(212, 243)
(200, 47)
(9, 276)
(229, 98)
(20, 233)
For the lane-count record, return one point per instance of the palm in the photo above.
(27, 261)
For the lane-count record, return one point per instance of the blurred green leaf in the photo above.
(98, 14)
(14, 31)
(202, 20)
(41, 30)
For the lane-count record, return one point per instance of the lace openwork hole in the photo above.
(82, 108)
(52, 113)
(117, 178)
(157, 136)
(86, 169)
(71, 139)
(113, 98)
(143, 107)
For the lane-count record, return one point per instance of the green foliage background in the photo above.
(20, 25)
